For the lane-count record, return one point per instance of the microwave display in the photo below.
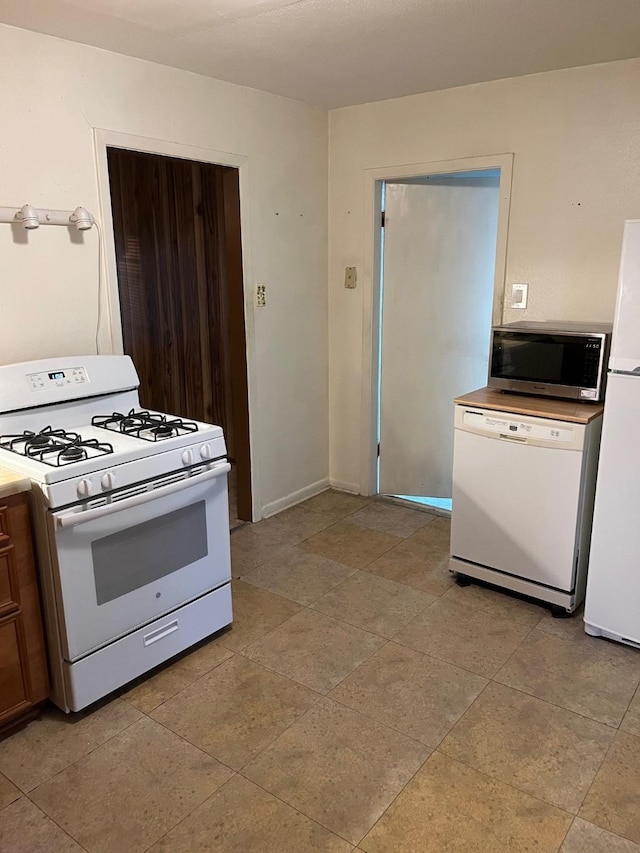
(552, 359)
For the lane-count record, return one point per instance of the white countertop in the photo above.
(12, 483)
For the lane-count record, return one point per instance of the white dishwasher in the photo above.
(523, 493)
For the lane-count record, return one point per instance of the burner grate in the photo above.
(55, 447)
(146, 425)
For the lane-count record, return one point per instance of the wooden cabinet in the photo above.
(23, 665)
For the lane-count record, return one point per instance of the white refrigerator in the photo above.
(612, 607)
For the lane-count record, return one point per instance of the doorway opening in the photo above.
(178, 252)
(438, 294)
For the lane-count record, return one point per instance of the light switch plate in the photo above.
(519, 295)
(350, 277)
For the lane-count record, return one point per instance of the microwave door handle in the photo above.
(87, 515)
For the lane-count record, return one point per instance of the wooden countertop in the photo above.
(12, 483)
(541, 407)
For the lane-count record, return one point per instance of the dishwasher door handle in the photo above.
(505, 437)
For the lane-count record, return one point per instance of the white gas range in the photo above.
(131, 520)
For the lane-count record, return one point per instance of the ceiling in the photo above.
(333, 53)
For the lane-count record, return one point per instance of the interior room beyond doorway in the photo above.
(438, 241)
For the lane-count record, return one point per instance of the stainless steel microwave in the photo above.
(566, 360)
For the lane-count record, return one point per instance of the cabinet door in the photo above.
(13, 680)
(9, 585)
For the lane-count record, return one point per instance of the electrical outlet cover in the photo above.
(350, 277)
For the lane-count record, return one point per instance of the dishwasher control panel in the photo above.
(517, 429)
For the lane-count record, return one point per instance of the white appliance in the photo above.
(131, 520)
(523, 491)
(612, 607)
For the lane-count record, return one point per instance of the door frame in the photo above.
(110, 298)
(372, 273)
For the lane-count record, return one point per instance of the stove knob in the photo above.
(205, 451)
(187, 457)
(84, 488)
(108, 481)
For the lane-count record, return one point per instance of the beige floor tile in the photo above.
(573, 629)
(390, 518)
(614, 799)
(437, 534)
(242, 818)
(586, 679)
(543, 750)
(567, 629)
(129, 792)
(450, 808)
(336, 504)
(631, 721)
(350, 544)
(373, 603)
(25, 829)
(473, 639)
(236, 710)
(48, 745)
(8, 791)
(251, 546)
(584, 837)
(255, 613)
(292, 526)
(299, 575)
(166, 682)
(314, 650)
(338, 768)
(410, 692)
(497, 601)
(417, 565)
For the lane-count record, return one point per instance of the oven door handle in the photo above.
(87, 515)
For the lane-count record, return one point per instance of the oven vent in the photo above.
(170, 478)
(96, 502)
(128, 493)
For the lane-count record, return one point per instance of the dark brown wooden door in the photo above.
(178, 249)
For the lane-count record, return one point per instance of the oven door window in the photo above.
(149, 551)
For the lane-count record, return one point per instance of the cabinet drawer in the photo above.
(9, 587)
(14, 693)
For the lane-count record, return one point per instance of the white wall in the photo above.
(53, 94)
(576, 177)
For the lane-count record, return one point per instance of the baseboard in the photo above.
(341, 486)
(295, 497)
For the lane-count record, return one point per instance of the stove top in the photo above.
(149, 426)
(54, 447)
(52, 428)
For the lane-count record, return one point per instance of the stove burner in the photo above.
(73, 453)
(54, 447)
(127, 424)
(149, 426)
(163, 430)
(39, 441)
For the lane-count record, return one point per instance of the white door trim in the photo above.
(102, 139)
(371, 278)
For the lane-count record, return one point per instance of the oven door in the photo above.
(122, 565)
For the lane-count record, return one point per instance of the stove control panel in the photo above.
(57, 378)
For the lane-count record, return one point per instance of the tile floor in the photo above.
(361, 702)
